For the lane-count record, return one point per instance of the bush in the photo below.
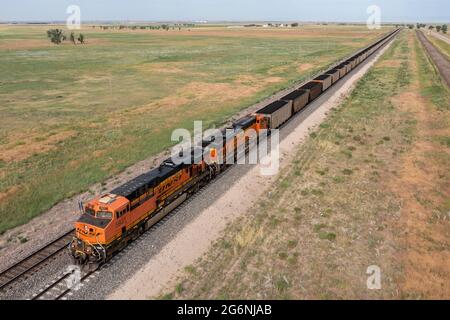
(56, 35)
(72, 38)
(81, 38)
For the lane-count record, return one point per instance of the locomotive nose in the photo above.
(79, 251)
(79, 256)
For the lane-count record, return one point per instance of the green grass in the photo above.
(113, 97)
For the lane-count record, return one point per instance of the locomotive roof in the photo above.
(148, 179)
(245, 122)
(226, 133)
(271, 108)
(154, 177)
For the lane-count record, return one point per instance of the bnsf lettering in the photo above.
(167, 184)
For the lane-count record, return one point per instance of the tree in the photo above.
(431, 27)
(444, 28)
(438, 28)
(56, 35)
(81, 38)
(410, 26)
(295, 24)
(72, 38)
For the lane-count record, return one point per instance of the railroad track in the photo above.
(64, 285)
(31, 263)
(58, 289)
(438, 58)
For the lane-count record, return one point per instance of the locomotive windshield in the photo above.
(89, 211)
(104, 215)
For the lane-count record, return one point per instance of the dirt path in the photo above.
(441, 62)
(162, 271)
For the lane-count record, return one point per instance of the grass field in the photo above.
(369, 187)
(75, 115)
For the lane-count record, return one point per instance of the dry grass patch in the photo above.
(305, 67)
(391, 63)
(171, 68)
(20, 44)
(23, 147)
(423, 185)
(11, 191)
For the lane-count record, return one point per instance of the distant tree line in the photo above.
(443, 28)
(57, 36)
(146, 27)
(276, 25)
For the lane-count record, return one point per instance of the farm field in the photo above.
(370, 187)
(76, 115)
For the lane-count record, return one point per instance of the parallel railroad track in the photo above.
(61, 287)
(31, 263)
(438, 58)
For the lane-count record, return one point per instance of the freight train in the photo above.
(112, 220)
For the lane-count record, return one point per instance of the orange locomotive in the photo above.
(111, 221)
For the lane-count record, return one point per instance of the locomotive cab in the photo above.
(96, 225)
